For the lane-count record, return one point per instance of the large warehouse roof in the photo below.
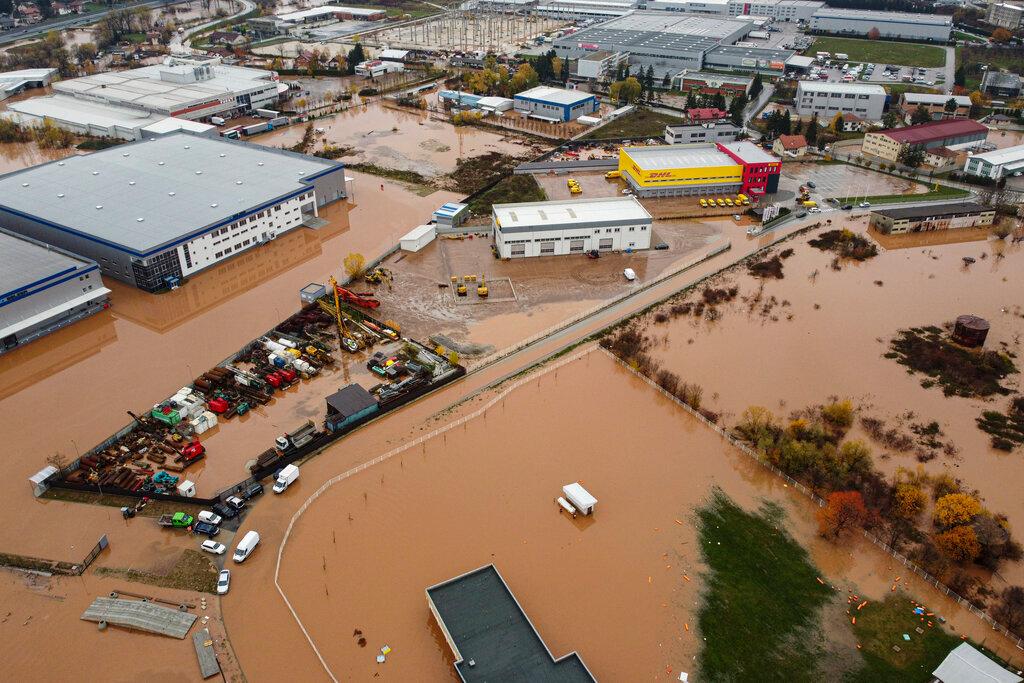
(883, 17)
(539, 215)
(678, 156)
(149, 194)
(844, 88)
(934, 130)
(661, 31)
(24, 262)
(999, 157)
(556, 95)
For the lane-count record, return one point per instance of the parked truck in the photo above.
(179, 520)
(285, 478)
(298, 438)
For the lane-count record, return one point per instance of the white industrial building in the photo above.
(372, 68)
(585, 9)
(570, 227)
(43, 289)
(13, 82)
(555, 104)
(828, 99)
(999, 163)
(151, 213)
(859, 22)
(84, 117)
(183, 87)
(778, 10)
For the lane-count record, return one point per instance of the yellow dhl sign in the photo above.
(661, 177)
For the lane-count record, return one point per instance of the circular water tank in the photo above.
(970, 330)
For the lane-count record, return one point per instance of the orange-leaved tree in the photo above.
(842, 511)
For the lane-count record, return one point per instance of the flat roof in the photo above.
(25, 262)
(679, 156)
(326, 10)
(26, 74)
(711, 76)
(749, 152)
(876, 15)
(725, 126)
(83, 112)
(156, 192)
(947, 209)
(998, 157)
(493, 638)
(556, 95)
(766, 53)
(855, 88)
(539, 215)
(141, 615)
(652, 30)
(800, 61)
(934, 130)
(965, 664)
(932, 98)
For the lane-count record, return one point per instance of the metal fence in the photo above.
(901, 558)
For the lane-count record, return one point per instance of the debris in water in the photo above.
(362, 642)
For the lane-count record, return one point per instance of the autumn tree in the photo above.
(355, 265)
(874, 33)
(837, 123)
(628, 91)
(1001, 35)
(1010, 610)
(954, 509)
(908, 501)
(959, 544)
(911, 156)
(524, 79)
(844, 510)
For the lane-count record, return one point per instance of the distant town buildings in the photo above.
(889, 144)
(828, 99)
(1005, 15)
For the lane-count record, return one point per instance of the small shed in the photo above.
(312, 292)
(966, 664)
(495, 104)
(348, 405)
(580, 498)
(38, 480)
(589, 120)
(451, 215)
(970, 330)
(418, 237)
(187, 488)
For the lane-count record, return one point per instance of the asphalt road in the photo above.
(29, 32)
(181, 42)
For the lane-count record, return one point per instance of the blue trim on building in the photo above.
(37, 282)
(77, 273)
(566, 108)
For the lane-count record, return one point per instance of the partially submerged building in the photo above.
(150, 213)
(490, 635)
(570, 227)
(13, 82)
(43, 289)
(932, 217)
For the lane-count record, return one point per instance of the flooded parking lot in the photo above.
(845, 181)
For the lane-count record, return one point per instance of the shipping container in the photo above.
(267, 113)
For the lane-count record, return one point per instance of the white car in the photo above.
(629, 274)
(207, 516)
(814, 209)
(213, 547)
(223, 581)
(864, 205)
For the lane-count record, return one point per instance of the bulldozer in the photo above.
(379, 275)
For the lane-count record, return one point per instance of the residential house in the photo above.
(229, 38)
(706, 114)
(790, 146)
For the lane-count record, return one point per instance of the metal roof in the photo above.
(932, 98)
(65, 108)
(556, 95)
(538, 215)
(749, 152)
(999, 157)
(935, 130)
(875, 15)
(144, 195)
(851, 88)
(350, 400)
(491, 635)
(934, 210)
(679, 156)
(25, 262)
(145, 616)
(966, 665)
(639, 31)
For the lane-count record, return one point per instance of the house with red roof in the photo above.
(706, 114)
(790, 145)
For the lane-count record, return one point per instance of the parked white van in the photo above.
(246, 546)
(284, 479)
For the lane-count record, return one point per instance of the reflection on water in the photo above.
(930, 238)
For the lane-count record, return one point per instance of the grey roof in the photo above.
(350, 400)
(1000, 79)
(765, 53)
(966, 665)
(673, 31)
(144, 616)
(878, 15)
(25, 262)
(494, 636)
(144, 196)
(934, 210)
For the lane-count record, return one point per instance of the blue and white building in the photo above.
(43, 289)
(999, 163)
(556, 105)
(153, 212)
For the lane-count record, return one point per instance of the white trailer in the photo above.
(580, 498)
(418, 237)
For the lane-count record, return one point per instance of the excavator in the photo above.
(347, 342)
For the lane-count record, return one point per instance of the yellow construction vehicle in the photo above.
(481, 290)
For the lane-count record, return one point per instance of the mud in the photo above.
(821, 332)
(402, 139)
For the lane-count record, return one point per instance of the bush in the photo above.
(838, 413)
(954, 509)
(959, 544)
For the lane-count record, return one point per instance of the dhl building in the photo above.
(700, 169)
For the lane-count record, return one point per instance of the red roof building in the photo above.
(927, 134)
(703, 114)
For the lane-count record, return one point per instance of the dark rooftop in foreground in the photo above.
(948, 209)
(491, 636)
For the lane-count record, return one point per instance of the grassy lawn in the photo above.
(192, 571)
(881, 51)
(639, 123)
(897, 89)
(762, 602)
(943, 193)
(512, 189)
(881, 625)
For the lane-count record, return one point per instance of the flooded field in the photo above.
(483, 493)
(819, 333)
(14, 156)
(401, 139)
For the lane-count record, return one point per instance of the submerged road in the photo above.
(249, 611)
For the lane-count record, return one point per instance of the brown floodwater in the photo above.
(362, 555)
(828, 330)
(15, 156)
(399, 138)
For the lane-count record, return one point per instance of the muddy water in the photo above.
(15, 156)
(827, 334)
(70, 390)
(363, 554)
(402, 139)
(1006, 138)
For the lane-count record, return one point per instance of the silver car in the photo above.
(223, 581)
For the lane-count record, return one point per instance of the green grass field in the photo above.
(881, 51)
(943, 193)
(762, 600)
(640, 123)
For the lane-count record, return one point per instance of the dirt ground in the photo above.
(826, 333)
